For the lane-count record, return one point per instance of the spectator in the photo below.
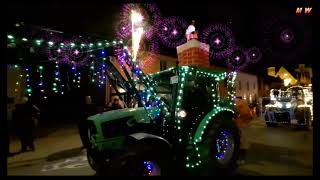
(23, 118)
(9, 101)
(244, 116)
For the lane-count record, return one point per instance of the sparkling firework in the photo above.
(149, 11)
(137, 31)
(148, 51)
(148, 45)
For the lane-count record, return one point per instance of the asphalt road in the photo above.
(272, 151)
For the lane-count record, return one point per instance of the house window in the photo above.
(163, 65)
(248, 87)
(240, 85)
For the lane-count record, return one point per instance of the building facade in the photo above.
(247, 86)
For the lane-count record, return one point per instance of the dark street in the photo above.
(273, 151)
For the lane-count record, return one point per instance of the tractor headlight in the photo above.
(182, 114)
(288, 105)
(278, 104)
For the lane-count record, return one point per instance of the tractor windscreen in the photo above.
(164, 86)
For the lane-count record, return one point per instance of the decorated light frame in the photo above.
(51, 45)
(193, 158)
(195, 133)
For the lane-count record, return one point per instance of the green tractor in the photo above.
(184, 124)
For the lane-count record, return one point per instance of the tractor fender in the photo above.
(208, 120)
(149, 139)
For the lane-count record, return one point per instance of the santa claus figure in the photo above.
(191, 32)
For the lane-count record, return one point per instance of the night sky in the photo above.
(248, 21)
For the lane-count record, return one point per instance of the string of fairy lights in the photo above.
(13, 41)
(57, 84)
(97, 67)
(28, 81)
(18, 79)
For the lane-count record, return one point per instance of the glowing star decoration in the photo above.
(171, 31)
(137, 31)
(221, 40)
(237, 60)
(253, 54)
(55, 51)
(283, 36)
(286, 36)
(76, 52)
(174, 32)
(217, 41)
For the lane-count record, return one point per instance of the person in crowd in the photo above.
(244, 117)
(116, 104)
(9, 154)
(82, 112)
(24, 117)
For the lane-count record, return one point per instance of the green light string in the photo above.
(214, 94)
(200, 131)
(157, 73)
(193, 159)
(165, 129)
(205, 122)
(182, 75)
(100, 44)
(194, 150)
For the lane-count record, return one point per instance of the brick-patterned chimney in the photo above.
(193, 53)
